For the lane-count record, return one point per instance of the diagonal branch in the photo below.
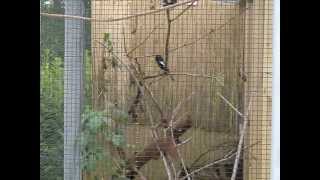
(183, 11)
(143, 41)
(230, 104)
(204, 36)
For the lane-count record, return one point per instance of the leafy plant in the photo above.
(109, 47)
(51, 116)
(98, 128)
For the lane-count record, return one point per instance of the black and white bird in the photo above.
(161, 63)
(168, 2)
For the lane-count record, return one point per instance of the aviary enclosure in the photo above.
(155, 89)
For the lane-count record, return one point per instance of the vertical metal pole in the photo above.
(275, 163)
(73, 65)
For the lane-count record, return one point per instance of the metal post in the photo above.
(73, 65)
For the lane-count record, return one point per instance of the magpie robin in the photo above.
(162, 64)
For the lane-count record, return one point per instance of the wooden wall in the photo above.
(217, 54)
(238, 38)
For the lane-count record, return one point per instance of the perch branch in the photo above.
(140, 82)
(242, 134)
(116, 19)
(179, 74)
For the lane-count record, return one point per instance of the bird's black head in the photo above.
(159, 58)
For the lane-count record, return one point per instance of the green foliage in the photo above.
(52, 29)
(109, 47)
(87, 78)
(97, 129)
(51, 116)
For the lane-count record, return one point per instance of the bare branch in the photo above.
(184, 142)
(208, 165)
(155, 137)
(116, 19)
(183, 11)
(226, 157)
(140, 83)
(143, 41)
(174, 142)
(177, 108)
(230, 104)
(204, 36)
(242, 134)
(166, 50)
(142, 177)
(179, 74)
(154, 100)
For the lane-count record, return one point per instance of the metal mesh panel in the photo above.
(205, 113)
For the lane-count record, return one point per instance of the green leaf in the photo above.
(118, 140)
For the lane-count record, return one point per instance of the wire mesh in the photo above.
(132, 118)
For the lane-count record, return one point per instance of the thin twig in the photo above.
(213, 149)
(143, 41)
(174, 142)
(230, 104)
(178, 107)
(155, 137)
(128, 69)
(174, 113)
(154, 100)
(166, 50)
(116, 19)
(242, 134)
(226, 157)
(142, 177)
(183, 11)
(200, 38)
(184, 142)
(208, 165)
(140, 82)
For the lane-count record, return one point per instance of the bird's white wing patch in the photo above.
(162, 63)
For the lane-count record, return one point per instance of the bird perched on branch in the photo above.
(161, 63)
(168, 2)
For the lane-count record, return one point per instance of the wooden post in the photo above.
(259, 68)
